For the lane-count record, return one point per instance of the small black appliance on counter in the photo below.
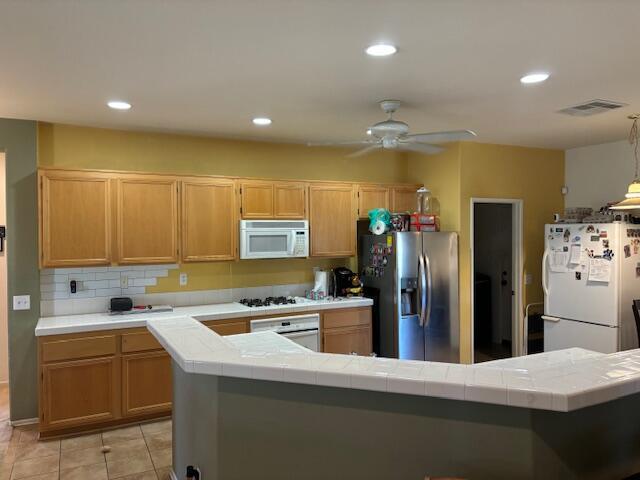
(121, 304)
(347, 283)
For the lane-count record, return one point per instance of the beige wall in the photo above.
(4, 327)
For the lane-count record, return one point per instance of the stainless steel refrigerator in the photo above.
(415, 277)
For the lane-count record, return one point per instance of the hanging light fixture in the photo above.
(632, 200)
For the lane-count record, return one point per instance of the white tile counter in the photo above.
(562, 381)
(104, 321)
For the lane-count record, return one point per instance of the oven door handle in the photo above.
(300, 334)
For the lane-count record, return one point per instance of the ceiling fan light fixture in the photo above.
(118, 105)
(381, 50)
(535, 77)
(261, 121)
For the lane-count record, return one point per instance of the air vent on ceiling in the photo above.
(592, 107)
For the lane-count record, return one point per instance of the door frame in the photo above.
(517, 262)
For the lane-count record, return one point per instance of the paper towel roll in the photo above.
(378, 228)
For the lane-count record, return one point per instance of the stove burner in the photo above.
(257, 302)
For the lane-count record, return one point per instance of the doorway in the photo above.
(4, 313)
(496, 252)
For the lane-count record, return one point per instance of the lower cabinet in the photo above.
(79, 392)
(229, 328)
(146, 383)
(347, 331)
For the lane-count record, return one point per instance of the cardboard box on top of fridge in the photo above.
(423, 219)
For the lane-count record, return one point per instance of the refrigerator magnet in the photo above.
(578, 275)
(567, 235)
(605, 243)
(627, 251)
(591, 229)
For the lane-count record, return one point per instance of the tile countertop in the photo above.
(104, 321)
(563, 380)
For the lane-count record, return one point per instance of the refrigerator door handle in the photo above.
(545, 286)
(428, 297)
(422, 289)
(548, 318)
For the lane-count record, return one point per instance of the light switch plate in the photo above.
(22, 302)
(183, 279)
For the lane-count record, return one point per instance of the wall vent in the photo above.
(592, 107)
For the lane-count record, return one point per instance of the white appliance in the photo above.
(588, 293)
(274, 238)
(302, 329)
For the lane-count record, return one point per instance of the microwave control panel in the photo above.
(300, 246)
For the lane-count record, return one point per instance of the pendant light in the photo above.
(632, 200)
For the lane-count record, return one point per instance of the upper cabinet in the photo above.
(403, 199)
(209, 220)
(332, 220)
(75, 216)
(272, 200)
(370, 197)
(147, 219)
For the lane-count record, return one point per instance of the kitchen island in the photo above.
(260, 406)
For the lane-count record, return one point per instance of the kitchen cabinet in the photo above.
(272, 200)
(75, 215)
(370, 197)
(209, 222)
(79, 392)
(347, 331)
(146, 383)
(147, 219)
(332, 220)
(403, 199)
(222, 327)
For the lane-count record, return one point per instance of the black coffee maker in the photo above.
(347, 283)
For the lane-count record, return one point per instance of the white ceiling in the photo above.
(208, 67)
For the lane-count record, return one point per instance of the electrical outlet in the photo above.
(124, 282)
(22, 302)
(183, 279)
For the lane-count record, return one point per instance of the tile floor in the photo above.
(139, 452)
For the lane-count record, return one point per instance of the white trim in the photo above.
(517, 263)
(173, 475)
(24, 421)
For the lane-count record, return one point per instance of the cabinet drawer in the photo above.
(347, 317)
(230, 328)
(139, 342)
(72, 348)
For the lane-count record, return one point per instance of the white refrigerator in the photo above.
(590, 277)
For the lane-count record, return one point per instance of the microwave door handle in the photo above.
(292, 245)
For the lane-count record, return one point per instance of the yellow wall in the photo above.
(500, 171)
(84, 147)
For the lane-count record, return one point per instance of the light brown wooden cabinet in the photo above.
(272, 200)
(80, 392)
(147, 216)
(209, 220)
(332, 220)
(347, 331)
(146, 383)
(222, 327)
(370, 197)
(403, 199)
(75, 216)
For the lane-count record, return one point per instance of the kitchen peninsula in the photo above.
(299, 414)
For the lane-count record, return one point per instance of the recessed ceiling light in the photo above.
(534, 77)
(119, 105)
(381, 50)
(262, 121)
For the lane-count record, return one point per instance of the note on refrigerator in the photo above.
(558, 261)
(574, 253)
(599, 270)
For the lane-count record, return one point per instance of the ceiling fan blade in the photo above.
(441, 137)
(364, 151)
(338, 144)
(420, 148)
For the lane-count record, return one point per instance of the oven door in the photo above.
(266, 244)
(308, 339)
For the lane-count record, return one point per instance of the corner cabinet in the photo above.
(147, 219)
(209, 222)
(332, 220)
(403, 199)
(370, 197)
(75, 218)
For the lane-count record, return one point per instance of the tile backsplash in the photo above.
(97, 285)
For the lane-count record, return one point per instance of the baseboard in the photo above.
(24, 421)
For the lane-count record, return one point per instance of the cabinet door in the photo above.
(209, 221)
(289, 200)
(370, 197)
(229, 328)
(348, 340)
(75, 219)
(79, 392)
(147, 220)
(257, 199)
(403, 199)
(332, 220)
(146, 383)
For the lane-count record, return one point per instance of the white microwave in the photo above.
(274, 238)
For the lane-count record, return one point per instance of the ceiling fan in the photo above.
(394, 135)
